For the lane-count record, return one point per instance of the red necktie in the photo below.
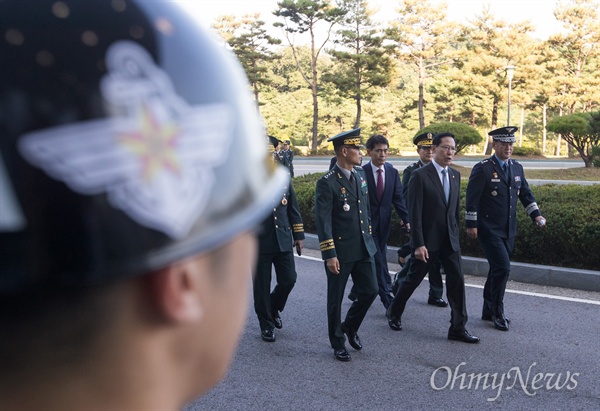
(379, 184)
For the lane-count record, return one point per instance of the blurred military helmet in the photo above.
(128, 140)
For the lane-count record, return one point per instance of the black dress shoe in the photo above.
(277, 319)
(500, 323)
(463, 336)
(342, 354)
(490, 318)
(438, 302)
(268, 335)
(352, 337)
(394, 323)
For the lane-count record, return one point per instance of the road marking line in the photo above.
(532, 294)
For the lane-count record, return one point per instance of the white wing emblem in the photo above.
(155, 158)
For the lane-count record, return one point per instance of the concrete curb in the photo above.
(586, 280)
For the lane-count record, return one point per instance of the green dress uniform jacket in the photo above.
(283, 226)
(290, 160)
(343, 234)
(342, 217)
(277, 233)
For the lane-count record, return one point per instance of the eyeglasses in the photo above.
(447, 148)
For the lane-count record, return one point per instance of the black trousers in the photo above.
(365, 288)
(384, 281)
(455, 285)
(436, 285)
(265, 300)
(498, 252)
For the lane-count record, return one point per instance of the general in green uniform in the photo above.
(344, 228)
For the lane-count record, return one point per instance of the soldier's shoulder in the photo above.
(485, 163)
(328, 175)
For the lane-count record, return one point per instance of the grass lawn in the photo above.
(578, 174)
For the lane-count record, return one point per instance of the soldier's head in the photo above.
(347, 146)
(502, 141)
(444, 147)
(275, 142)
(424, 145)
(377, 149)
(286, 144)
(132, 173)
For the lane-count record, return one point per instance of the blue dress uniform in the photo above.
(491, 207)
(275, 239)
(344, 230)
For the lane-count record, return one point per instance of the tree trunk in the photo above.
(544, 129)
(420, 103)
(315, 123)
(521, 126)
(559, 138)
(488, 150)
(358, 111)
(313, 87)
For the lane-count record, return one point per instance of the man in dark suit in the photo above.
(344, 230)
(385, 192)
(277, 232)
(433, 207)
(494, 186)
(436, 286)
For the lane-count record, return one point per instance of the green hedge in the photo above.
(526, 151)
(570, 239)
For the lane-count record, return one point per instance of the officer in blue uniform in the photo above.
(279, 232)
(344, 228)
(494, 186)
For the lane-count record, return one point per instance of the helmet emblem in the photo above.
(154, 155)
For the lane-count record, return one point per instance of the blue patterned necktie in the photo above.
(445, 184)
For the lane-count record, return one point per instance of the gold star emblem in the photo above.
(154, 144)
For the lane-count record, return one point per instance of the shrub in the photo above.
(526, 151)
(570, 238)
(596, 156)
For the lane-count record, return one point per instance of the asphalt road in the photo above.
(547, 361)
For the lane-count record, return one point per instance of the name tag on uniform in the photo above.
(495, 180)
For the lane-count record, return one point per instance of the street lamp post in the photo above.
(510, 70)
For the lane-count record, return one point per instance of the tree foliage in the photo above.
(250, 42)
(464, 135)
(362, 62)
(439, 71)
(580, 130)
(422, 36)
(303, 16)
